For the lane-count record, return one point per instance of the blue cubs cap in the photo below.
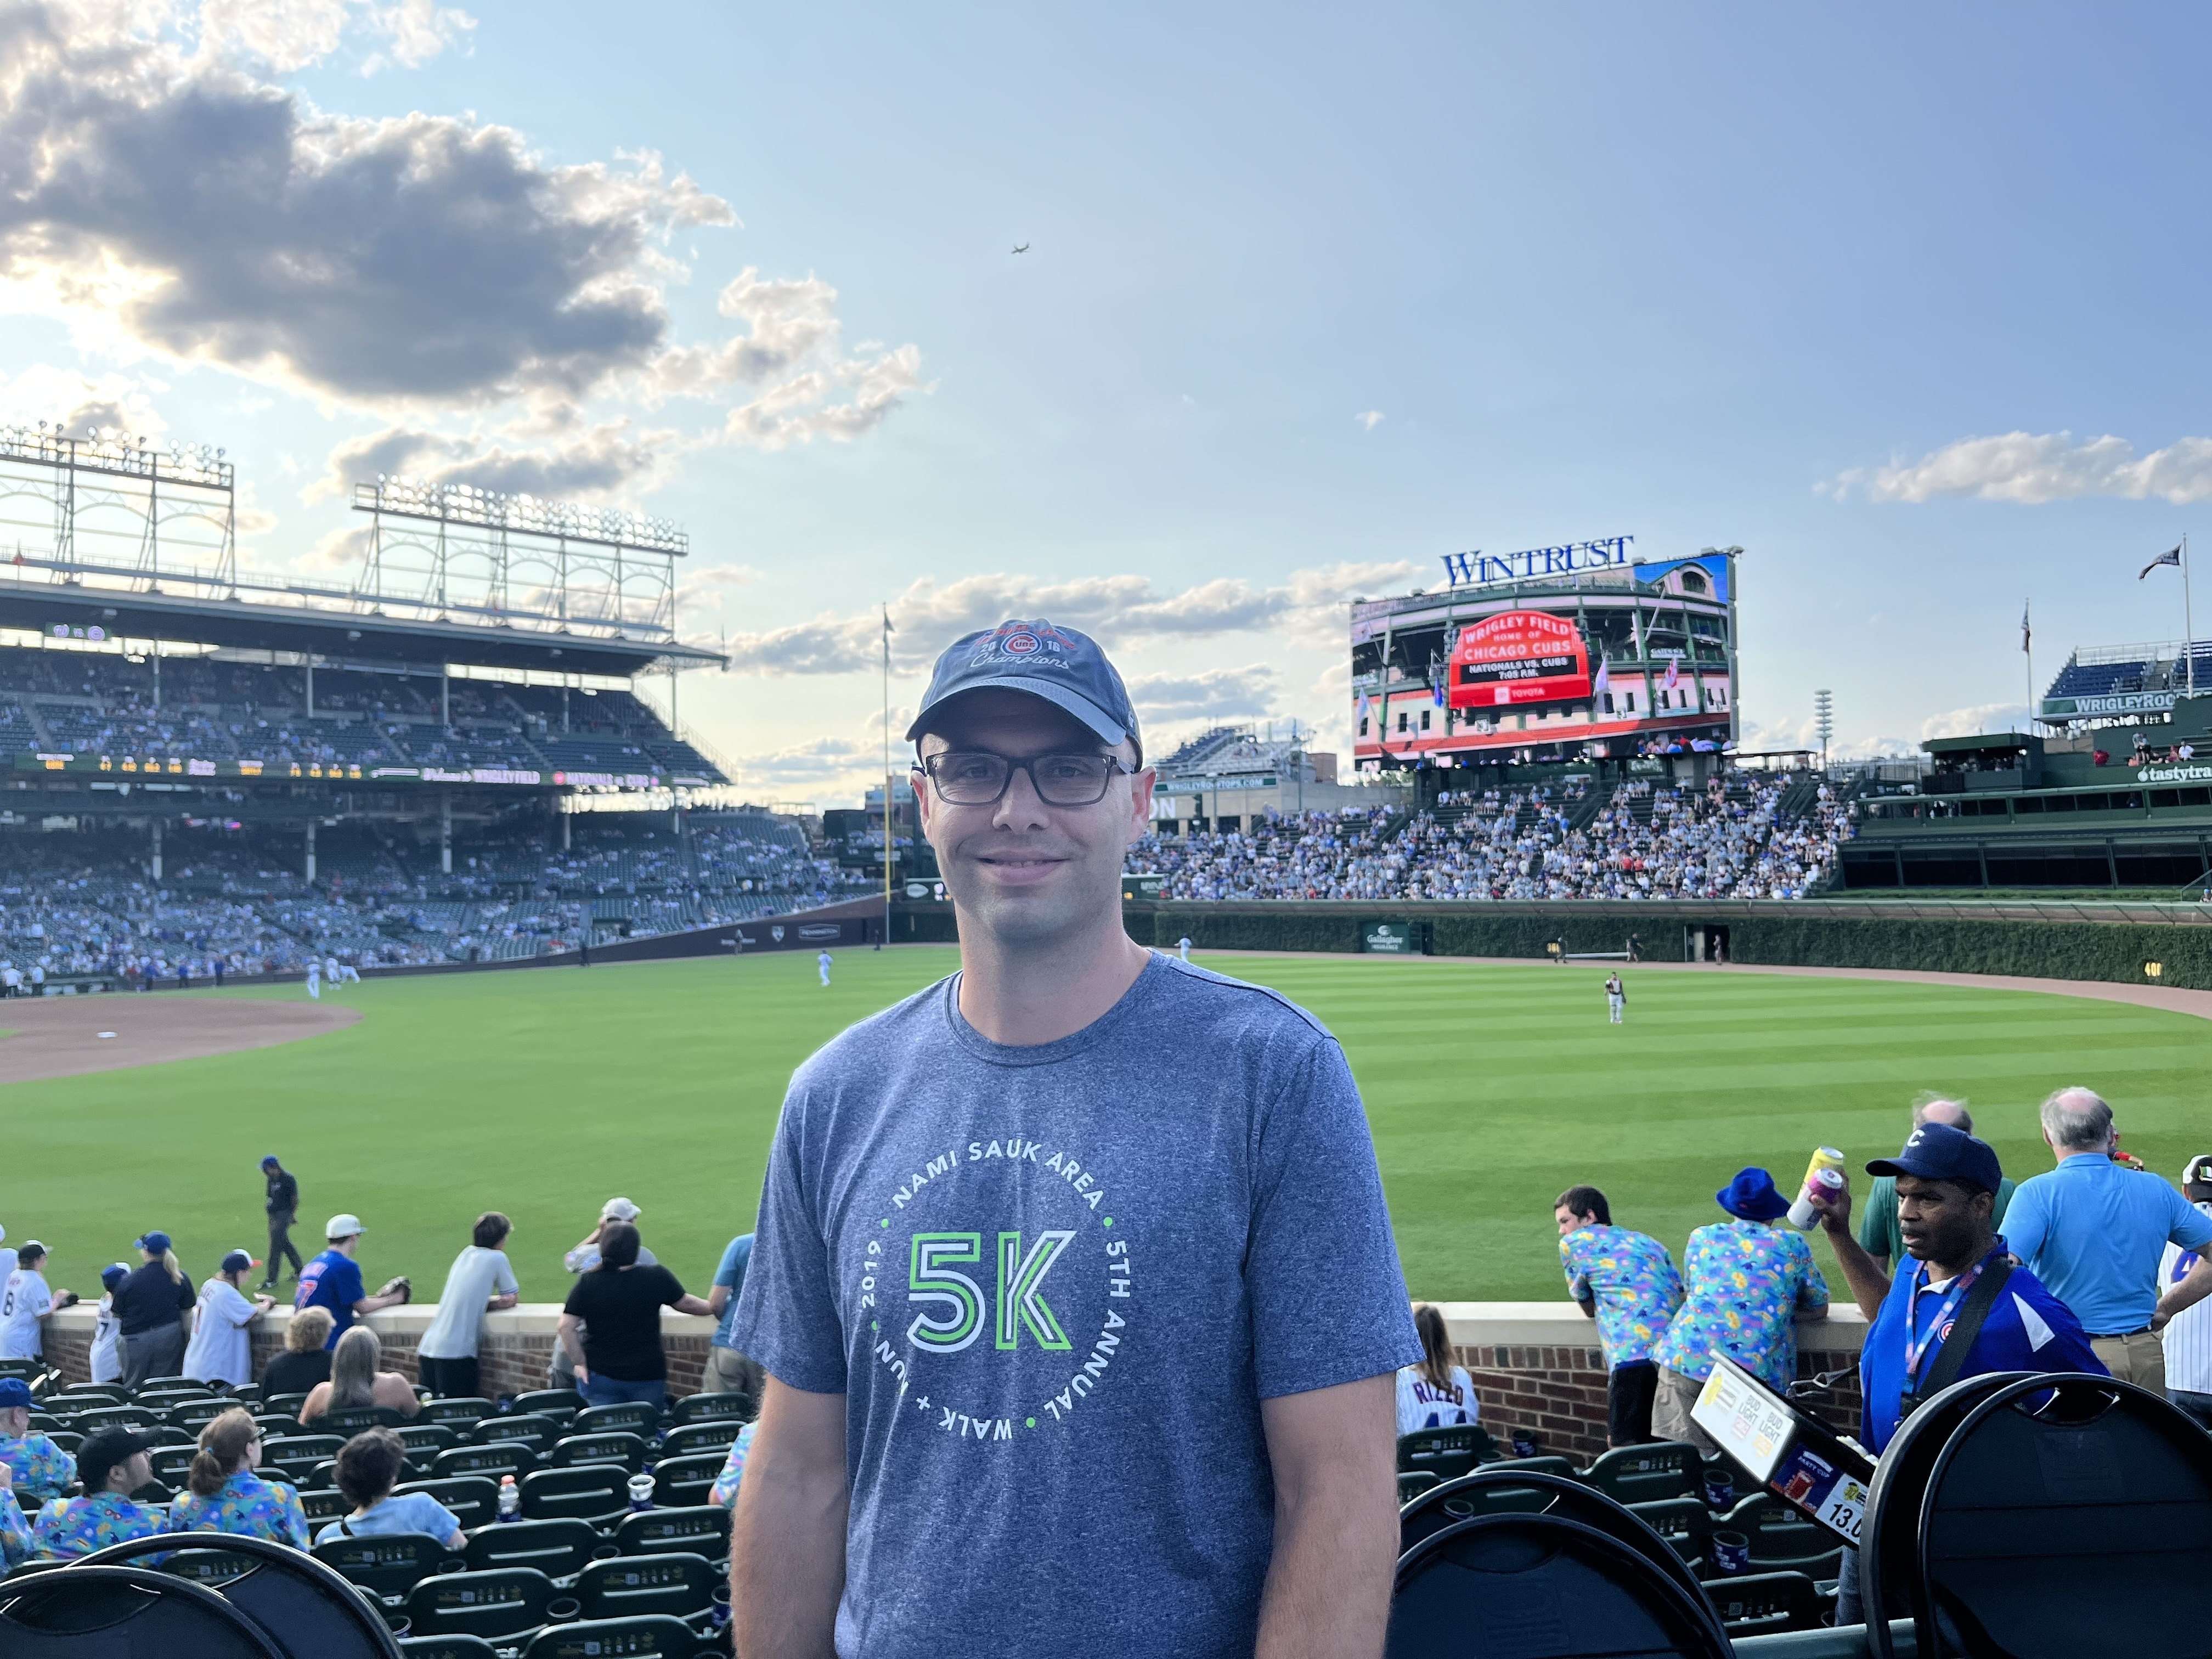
(14, 1393)
(155, 1243)
(114, 1274)
(270, 1162)
(1943, 1152)
(1752, 1196)
(1064, 667)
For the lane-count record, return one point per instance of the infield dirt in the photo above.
(67, 1036)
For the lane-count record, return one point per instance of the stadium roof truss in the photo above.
(116, 539)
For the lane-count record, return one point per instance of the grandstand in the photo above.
(200, 772)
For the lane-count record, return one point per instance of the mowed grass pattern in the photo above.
(1490, 1088)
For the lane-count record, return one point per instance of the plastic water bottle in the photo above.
(510, 1499)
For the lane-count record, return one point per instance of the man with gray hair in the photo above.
(1880, 1235)
(2093, 1231)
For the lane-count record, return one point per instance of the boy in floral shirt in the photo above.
(1627, 1281)
(1749, 1283)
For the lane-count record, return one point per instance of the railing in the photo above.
(2111, 911)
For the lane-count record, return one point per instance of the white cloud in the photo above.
(1211, 695)
(82, 403)
(1981, 717)
(709, 585)
(1367, 419)
(2032, 467)
(283, 36)
(1124, 609)
(590, 461)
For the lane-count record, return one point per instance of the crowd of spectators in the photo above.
(229, 903)
(1731, 838)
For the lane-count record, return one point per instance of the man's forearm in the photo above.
(787, 1553)
(1869, 1283)
(1328, 1594)
(2188, 1293)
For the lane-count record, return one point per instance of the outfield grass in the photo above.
(1490, 1089)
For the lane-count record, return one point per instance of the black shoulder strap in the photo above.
(1957, 1347)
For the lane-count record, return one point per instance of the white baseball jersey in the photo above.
(106, 1359)
(23, 1304)
(2188, 1333)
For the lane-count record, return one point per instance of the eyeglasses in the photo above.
(977, 778)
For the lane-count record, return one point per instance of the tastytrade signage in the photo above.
(1519, 656)
(1478, 569)
(2192, 773)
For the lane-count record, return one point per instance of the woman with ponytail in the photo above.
(226, 1495)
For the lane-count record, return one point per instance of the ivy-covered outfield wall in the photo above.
(1806, 934)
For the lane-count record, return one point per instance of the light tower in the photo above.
(1824, 722)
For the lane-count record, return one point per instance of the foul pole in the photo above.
(887, 774)
(2188, 619)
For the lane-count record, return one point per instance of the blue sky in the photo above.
(1312, 298)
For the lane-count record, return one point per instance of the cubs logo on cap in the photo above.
(1062, 666)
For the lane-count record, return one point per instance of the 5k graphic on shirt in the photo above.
(932, 1290)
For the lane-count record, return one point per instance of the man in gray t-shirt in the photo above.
(1074, 1284)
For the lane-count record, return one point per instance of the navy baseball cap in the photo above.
(14, 1393)
(113, 1274)
(268, 1161)
(1943, 1152)
(1064, 667)
(155, 1243)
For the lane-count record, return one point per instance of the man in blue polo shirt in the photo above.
(2094, 1231)
(1946, 1184)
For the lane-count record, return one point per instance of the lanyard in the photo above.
(1916, 1350)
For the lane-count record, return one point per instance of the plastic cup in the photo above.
(641, 1491)
(1731, 1552)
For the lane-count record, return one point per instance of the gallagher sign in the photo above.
(1519, 656)
(1478, 569)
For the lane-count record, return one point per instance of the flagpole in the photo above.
(2028, 648)
(887, 774)
(2188, 617)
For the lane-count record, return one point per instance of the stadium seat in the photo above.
(526, 1428)
(356, 1418)
(427, 1439)
(1783, 1538)
(713, 1435)
(505, 1601)
(674, 1582)
(324, 1475)
(592, 1491)
(446, 1647)
(139, 1613)
(1445, 1453)
(89, 1394)
(704, 1407)
(1648, 1474)
(701, 1529)
(1686, 1523)
(1550, 1588)
(507, 1457)
(1766, 1603)
(117, 1417)
(2058, 1502)
(193, 1415)
(52, 1423)
(651, 1636)
(560, 1404)
(1413, 1483)
(167, 1399)
(456, 1414)
(322, 1508)
(304, 1606)
(67, 1439)
(1558, 1467)
(295, 1456)
(284, 1405)
(559, 1549)
(635, 1415)
(274, 1428)
(387, 1565)
(473, 1499)
(684, 1482)
(170, 1463)
(618, 1446)
(1453, 1501)
(26, 1369)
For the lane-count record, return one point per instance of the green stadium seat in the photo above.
(161, 1385)
(559, 1549)
(112, 1416)
(48, 1422)
(701, 1529)
(618, 1446)
(1783, 1538)
(427, 1438)
(684, 1482)
(473, 1499)
(559, 1404)
(505, 1601)
(651, 1636)
(1558, 1466)
(456, 1414)
(212, 1567)
(284, 1405)
(446, 1647)
(502, 1457)
(324, 1507)
(193, 1415)
(704, 1407)
(1686, 1525)
(26, 1369)
(355, 1419)
(1766, 1603)
(676, 1583)
(295, 1456)
(528, 1428)
(68, 1439)
(592, 1491)
(1648, 1474)
(713, 1435)
(1445, 1453)
(171, 1462)
(635, 1415)
(1413, 1483)
(386, 1564)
